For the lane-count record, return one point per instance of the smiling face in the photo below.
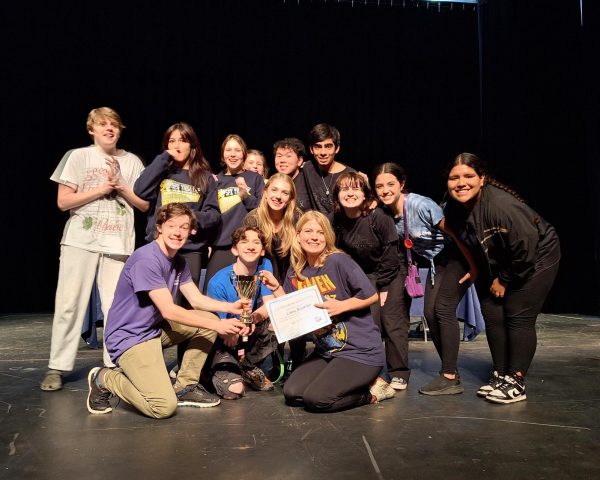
(181, 147)
(233, 156)
(388, 189)
(105, 132)
(254, 163)
(324, 153)
(173, 234)
(278, 195)
(464, 184)
(312, 239)
(249, 248)
(286, 161)
(351, 196)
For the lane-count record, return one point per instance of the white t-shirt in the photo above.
(105, 225)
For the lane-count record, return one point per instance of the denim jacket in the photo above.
(424, 216)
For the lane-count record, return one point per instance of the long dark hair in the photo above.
(198, 165)
(473, 161)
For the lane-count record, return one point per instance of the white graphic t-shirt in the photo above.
(106, 224)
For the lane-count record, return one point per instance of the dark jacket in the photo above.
(508, 238)
(163, 182)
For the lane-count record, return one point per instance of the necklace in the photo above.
(327, 188)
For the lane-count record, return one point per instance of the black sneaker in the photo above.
(494, 382)
(512, 390)
(98, 397)
(443, 386)
(196, 396)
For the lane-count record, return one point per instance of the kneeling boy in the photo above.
(144, 320)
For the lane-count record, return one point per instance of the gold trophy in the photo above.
(246, 287)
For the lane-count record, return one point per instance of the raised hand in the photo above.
(243, 187)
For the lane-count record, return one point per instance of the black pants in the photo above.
(510, 321)
(441, 300)
(393, 320)
(330, 384)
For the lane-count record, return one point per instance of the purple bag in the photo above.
(413, 284)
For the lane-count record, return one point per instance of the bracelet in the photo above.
(277, 287)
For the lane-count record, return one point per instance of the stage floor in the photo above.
(554, 434)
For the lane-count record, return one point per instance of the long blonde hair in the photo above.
(287, 232)
(298, 257)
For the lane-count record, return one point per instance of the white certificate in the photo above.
(295, 314)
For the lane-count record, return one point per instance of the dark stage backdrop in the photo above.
(401, 84)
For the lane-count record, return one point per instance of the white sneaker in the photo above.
(398, 383)
(494, 382)
(512, 390)
(174, 371)
(382, 390)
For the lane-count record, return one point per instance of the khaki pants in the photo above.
(76, 274)
(145, 382)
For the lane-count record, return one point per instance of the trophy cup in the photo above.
(246, 287)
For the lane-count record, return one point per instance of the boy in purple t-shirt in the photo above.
(144, 319)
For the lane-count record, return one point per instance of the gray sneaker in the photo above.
(443, 386)
(98, 397)
(196, 396)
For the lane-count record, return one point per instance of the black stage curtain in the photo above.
(401, 84)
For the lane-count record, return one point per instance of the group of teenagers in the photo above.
(312, 223)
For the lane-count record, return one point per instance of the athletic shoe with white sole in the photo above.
(98, 397)
(512, 390)
(494, 382)
(196, 396)
(398, 383)
(381, 390)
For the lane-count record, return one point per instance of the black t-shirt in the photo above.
(372, 242)
(320, 186)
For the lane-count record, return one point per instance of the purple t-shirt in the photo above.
(133, 318)
(354, 335)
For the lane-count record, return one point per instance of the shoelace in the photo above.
(187, 389)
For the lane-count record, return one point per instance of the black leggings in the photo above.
(441, 301)
(393, 320)
(510, 321)
(330, 384)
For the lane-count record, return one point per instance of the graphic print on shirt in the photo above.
(172, 191)
(107, 214)
(228, 198)
(332, 338)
